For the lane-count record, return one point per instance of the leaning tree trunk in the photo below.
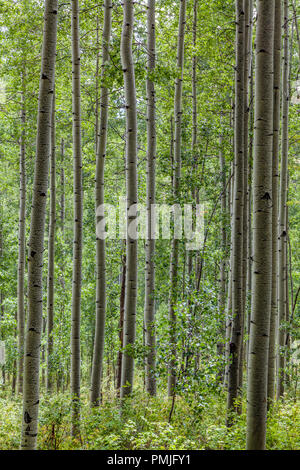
(262, 230)
(77, 246)
(176, 195)
(276, 132)
(131, 188)
(237, 224)
(282, 269)
(51, 255)
(22, 249)
(37, 229)
(100, 243)
(149, 311)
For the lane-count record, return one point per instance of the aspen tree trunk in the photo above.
(22, 249)
(276, 132)
(51, 255)
(131, 188)
(248, 41)
(77, 247)
(237, 224)
(176, 194)
(100, 244)
(121, 323)
(149, 311)
(37, 229)
(282, 294)
(222, 274)
(262, 229)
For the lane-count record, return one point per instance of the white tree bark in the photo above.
(100, 244)
(149, 310)
(131, 188)
(77, 246)
(262, 230)
(37, 229)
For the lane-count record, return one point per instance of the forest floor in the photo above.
(196, 424)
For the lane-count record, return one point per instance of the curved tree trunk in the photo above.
(262, 230)
(37, 230)
(131, 188)
(100, 243)
(77, 247)
(176, 195)
(149, 311)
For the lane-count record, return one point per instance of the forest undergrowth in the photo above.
(197, 423)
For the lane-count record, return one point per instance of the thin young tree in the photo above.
(37, 230)
(51, 255)
(100, 242)
(149, 309)
(176, 194)
(131, 189)
(22, 247)
(282, 265)
(77, 246)
(237, 222)
(262, 229)
(275, 177)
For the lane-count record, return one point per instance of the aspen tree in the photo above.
(237, 223)
(131, 189)
(51, 254)
(100, 243)
(149, 310)
(262, 229)
(176, 195)
(77, 246)
(22, 248)
(282, 267)
(37, 229)
(276, 132)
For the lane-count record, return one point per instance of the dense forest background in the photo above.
(182, 399)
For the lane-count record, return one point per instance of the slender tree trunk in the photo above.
(37, 229)
(248, 41)
(149, 311)
(22, 249)
(237, 228)
(121, 323)
(262, 230)
(100, 243)
(131, 188)
(51, 255)
(77, 247)
(276, 132)
(222, 274)
(283, 204)
(176, 194)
